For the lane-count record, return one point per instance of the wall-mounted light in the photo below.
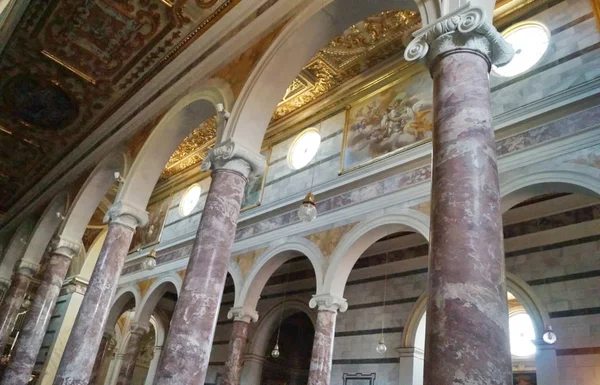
(118, 177)
(549, 336)
(149, 262)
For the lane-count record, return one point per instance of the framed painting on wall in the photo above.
(255, 186)
(150, 234)
(391, 120)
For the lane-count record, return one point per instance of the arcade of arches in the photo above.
(322, 192)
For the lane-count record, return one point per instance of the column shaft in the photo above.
(10, 306)
(32, 334)
(80, 352)
(187, 349)
(322, 350)
(131, 352)
(467, 338)
(103, 351)
(237, 344)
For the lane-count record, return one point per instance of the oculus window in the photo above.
(530, 41)
(304, 148)
(190, 200)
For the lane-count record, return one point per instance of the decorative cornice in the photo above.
(126, 214)
(465, 28)
(328, 302)
(65, 246)
(231, 155)
(26, 267)
(242, 314)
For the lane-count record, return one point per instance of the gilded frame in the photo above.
(267, 154)
(411, 70)
(134, 247)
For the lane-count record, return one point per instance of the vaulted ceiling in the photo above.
(70, 63)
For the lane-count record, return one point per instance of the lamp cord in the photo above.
(287, 277)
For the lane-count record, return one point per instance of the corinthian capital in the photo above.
(126, 214)
(233, 156)
(465, 28)
(242, 314)
(328, 302)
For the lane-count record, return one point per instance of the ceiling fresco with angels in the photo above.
(70, 63)
(358, 48)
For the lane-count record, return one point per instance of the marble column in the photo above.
(467, 339)
(32, 333)
(77, 362)
(237, 343)
(104, 351)
(188, 345)
(134, 344)
(14, 299)
(252, 370)
(322, 350)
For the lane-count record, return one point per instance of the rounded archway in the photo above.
(178, 122)
(310, 30)
(361, 237)
(271, 260)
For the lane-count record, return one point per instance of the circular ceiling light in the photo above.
(304, 148)
(530, 41)
(190, 200)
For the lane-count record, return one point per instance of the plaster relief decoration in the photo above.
(358, 48)
(193, 149)
(150, 234)
(253, 192)
(394, 119)
(71, 63)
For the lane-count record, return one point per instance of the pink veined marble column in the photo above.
(77, 362)
(131, 352)
(187, 350)
(322, 350)
(12, 303)
(237, 344)
(467, 339)
(38, 316)
(103, 352)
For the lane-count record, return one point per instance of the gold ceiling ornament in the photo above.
(193, 149)
(357, 49)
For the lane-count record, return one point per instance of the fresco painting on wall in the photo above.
(392, 120)
(150, 234)
(255, 186)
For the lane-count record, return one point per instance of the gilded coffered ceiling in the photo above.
(70, 63)
(359, 48)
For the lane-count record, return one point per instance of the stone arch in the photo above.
(268, 323)
(154, 294)
(92, 193)
(82, 266)
(515, 285)
(302, 37)
(363, 235)
(45, 229)
(271, 260)
(177, 123)
(122, 299)
(15, 248)
(564, 177)
(236, 275)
